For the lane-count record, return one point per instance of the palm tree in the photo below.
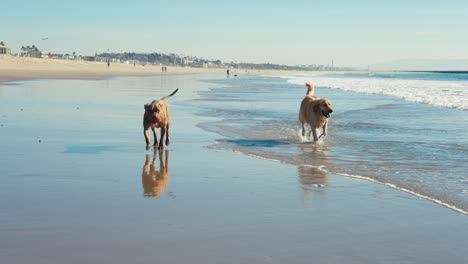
(1, 43)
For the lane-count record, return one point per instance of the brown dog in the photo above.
(157, 116)
(315, 112)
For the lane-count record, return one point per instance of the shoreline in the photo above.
(359, 177)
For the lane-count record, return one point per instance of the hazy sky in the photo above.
(285, 32)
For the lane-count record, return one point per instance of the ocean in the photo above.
(408, 131)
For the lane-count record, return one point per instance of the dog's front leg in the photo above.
(325, 130)
(146, 132)
(155, 136)
(161, 139)
(314, 132)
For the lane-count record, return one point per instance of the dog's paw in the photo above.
(148, 147)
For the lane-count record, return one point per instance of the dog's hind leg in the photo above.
(161, 139)
(168, 140)
(303, 130)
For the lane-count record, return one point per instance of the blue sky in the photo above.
(286, 32)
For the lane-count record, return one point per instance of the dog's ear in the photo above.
(317, 106)
(146, 106)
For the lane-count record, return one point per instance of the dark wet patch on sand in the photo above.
(89, 149)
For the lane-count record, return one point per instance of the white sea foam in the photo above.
(441, 93)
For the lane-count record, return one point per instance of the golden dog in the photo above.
(315, 112)
(157, 116)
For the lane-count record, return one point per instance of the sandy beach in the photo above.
(26, 68)
(78, 186)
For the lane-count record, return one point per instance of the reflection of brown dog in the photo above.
(157, 116)
(315, 112)
(155, 181)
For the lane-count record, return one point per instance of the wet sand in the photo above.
(78, 186)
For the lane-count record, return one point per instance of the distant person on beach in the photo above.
(162, 68)
(165, 68)
(227, 72)
(108, 63)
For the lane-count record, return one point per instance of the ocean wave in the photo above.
(440, 93)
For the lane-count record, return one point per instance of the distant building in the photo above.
(89, 58)
(5, 50)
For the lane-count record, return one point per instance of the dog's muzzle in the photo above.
(327, 113)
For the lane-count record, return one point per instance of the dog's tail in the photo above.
(310, 89)
(167, 96)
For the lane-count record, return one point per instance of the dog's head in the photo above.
(324, 107)
(155, 111)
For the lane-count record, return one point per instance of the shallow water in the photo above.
(419, 148)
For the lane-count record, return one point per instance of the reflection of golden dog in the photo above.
(155, 182)
(157, 116)
(312, 176)
(315, 159)
(313, 173)
(315, 112)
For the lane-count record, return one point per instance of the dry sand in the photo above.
(23, 68)
(14, 68)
